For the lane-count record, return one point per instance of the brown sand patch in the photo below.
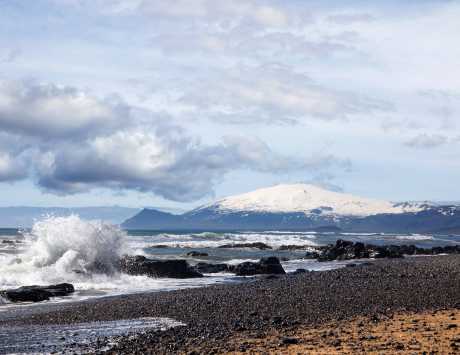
(436, 332)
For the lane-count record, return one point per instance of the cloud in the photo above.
(52, 111)
(427, 141)
(240, 43)
(176, 168)
(258, 12)
(349, 18)
(274, 94)
(9, 55)
(326, 181)
(71, 142)
(11, 168)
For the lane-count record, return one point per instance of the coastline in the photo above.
(215, 314)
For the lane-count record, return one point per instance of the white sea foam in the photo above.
(54, 338)
(196, 241)
(57, 247)
(414, 237)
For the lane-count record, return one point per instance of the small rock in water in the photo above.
(37, 293)
(196, 254)
(257, 245)
(294, 247)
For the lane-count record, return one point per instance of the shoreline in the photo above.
(217, 313)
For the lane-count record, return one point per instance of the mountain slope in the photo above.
(308, 199)
(305, 207)
(152, 219)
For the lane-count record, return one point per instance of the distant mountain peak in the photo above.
(309, 199)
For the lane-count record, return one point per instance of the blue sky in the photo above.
(174, 103)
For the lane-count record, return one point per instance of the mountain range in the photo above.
(25, 216)
(305, 207)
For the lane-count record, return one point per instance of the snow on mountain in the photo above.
(309, 199)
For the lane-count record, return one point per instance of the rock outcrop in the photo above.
(347, 250)
(140, 265)
(37, 293)
(257, 245)
(270, 265)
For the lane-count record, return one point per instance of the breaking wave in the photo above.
(70, 243)
(62, 249)
(83, 253)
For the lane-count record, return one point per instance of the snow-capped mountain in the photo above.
(305, 207)
(309, 199)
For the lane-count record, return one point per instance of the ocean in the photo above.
(62, 249)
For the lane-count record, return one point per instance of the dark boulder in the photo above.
(391, 251)
(346, 250)
(294, 247)
(37, 293)
(196, 254)
(258, 245)
(312, 255)
(449, 249)
(269, 265)
(206, 268)
(140, 265)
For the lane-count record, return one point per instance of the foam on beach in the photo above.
(48, 338)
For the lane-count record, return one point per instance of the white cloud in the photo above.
(255, 11)
(176, 168)
(274, 94)
(427, 141)
(55, 111)
(11, 169)
(9, 55)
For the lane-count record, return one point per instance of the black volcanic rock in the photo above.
(294, 247)
(344, 250)
(270, 265)
(140, 265)
(207, 268)
(37, 293)
(347, 250)
(196, 254)
(257, 245)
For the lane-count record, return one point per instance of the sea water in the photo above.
(85, 253)
(78, 337)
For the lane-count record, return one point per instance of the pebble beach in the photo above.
(215, 316)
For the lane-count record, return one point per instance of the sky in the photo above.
(178, 102)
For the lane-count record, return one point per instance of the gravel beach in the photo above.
(215, 314)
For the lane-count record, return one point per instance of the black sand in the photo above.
(214, 313)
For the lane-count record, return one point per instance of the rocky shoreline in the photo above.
(284, 302)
